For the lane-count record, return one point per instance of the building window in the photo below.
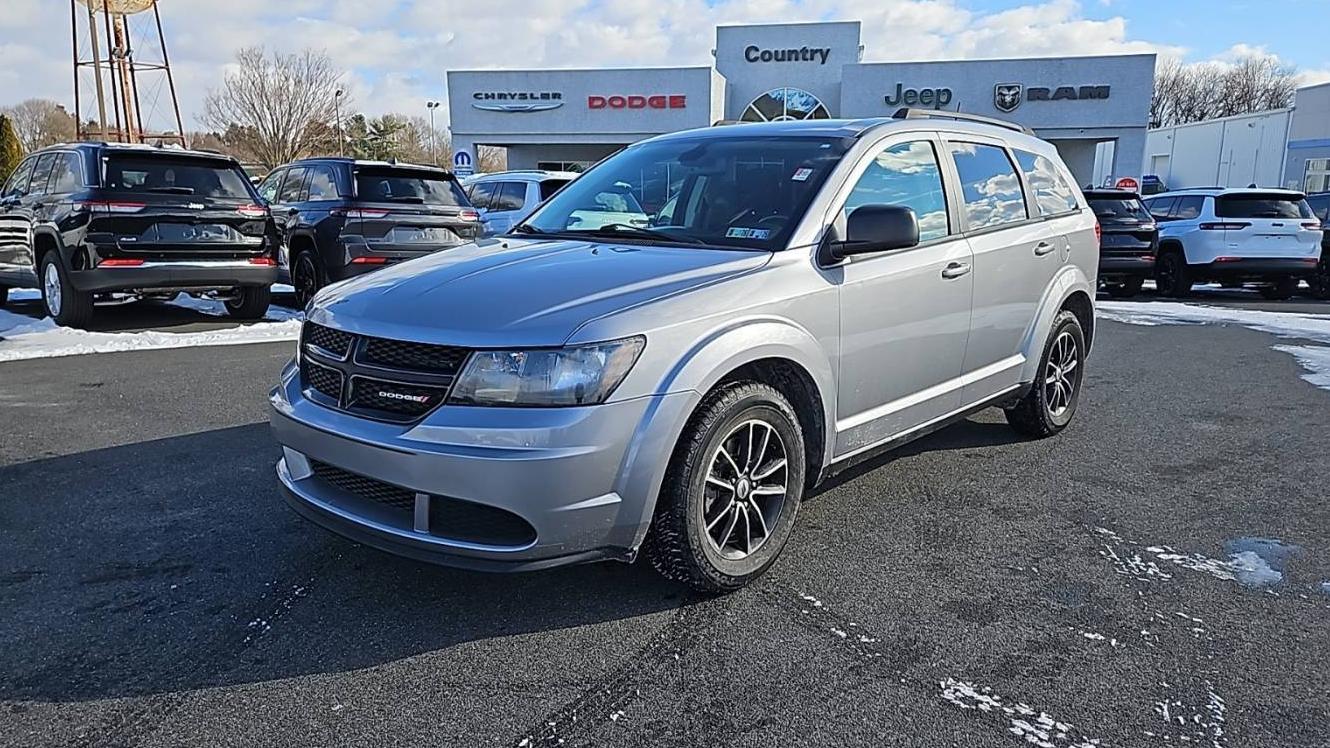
(783, 104)
(1317, 175)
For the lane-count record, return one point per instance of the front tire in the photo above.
(1281, 289)
(250, 302)
(68, 306)
(732, 491)
(1172, 276)
(1126, 288)
(1051, 402)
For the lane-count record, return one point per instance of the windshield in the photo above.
(176, 176)
(406, 186)
(719, 191)
(1118, 209)
(1262, 206)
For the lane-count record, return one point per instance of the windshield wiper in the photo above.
(524, 228)
(612, 229)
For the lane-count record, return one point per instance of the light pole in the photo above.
(337, 114)
(433, 152)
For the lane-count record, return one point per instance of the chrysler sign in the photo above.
(517, 101)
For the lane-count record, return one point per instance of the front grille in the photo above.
(449, 518)
(389, 380)
(333, 341)
(403, 399)
(399, 354)
(323, 379)
(366, 488)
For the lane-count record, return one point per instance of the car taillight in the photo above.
(365, 260)
(120, 262)
(1098, 231)
(109, 206)
(360, 213)
(467, 214)
(1231, 226)
(1313, 225)
(267, 261)
(252, 211)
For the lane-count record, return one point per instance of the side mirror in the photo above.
(876, 228)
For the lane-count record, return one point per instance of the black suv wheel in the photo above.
(65, 304)
(306, 277)
(732, 491)
(1319, 282)
(1172, 276)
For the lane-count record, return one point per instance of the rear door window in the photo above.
(1188, 207)
(67, 175)
(176, 176)
(991, 191)
(389, 185)
(512, 196)
(293, 187)
(1262, 206)
(322, 183)
(482, 195)
(1052, 194)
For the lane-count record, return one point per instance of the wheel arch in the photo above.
(1070, 290)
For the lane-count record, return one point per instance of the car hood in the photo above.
(519, 292)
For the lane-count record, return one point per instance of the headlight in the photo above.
(583, 375)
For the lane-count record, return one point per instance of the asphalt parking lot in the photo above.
(1159, 574)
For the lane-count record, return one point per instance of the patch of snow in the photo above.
(1314, 358)
(1035, 727)
(809, 598)
(1252, 562)
(839, 632)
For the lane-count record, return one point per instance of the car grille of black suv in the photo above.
(387, 380)
(453, 519)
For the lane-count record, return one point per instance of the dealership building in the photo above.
(1094, 109)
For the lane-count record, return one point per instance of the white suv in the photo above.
(504, 198)
(1234, 236)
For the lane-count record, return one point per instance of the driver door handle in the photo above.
(955, 270)
(1043, 248)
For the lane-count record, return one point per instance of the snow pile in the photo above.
(1314, 327)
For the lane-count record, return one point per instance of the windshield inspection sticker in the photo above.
(802, 174)
(742, 233)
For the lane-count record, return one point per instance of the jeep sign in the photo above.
(934, 98)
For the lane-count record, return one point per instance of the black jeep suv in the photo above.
(87, 222)
(1128, 242)
(340, 217)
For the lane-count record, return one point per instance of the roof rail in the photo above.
(907, 113)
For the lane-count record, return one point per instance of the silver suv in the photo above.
(583, 390)
(505, 198)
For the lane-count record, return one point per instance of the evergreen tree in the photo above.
(11, 151)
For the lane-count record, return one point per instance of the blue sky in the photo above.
(395, 52)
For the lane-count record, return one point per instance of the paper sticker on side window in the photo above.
(737, 232)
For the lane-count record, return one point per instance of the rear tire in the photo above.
(732, 490)
(1125, 289)
(1319, 282)
(251, 302)
(68, 306)
(1281, 289)
(1051, 402)
(1172, 276)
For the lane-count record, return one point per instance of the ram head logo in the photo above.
(1007, 96)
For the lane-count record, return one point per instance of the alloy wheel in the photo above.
(746, 488)
(51, 289)
(305, 280)
(1059, 375)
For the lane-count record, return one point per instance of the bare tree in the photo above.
(490, 158)
(277, 107)
(41, 122)
(1206, 90)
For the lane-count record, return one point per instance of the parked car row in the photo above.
(1273, 239)
(97, 223)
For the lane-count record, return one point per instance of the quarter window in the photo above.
(68, 174)
(1052, 194)
(906, 174)
(989, 185)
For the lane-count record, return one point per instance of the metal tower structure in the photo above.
(104, 37)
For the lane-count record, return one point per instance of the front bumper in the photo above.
(582, 479)
(165, 275)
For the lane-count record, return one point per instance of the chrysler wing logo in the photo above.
(1007, 96)
(517, 101)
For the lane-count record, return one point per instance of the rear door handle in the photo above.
(1043, 248)
(955, 270)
